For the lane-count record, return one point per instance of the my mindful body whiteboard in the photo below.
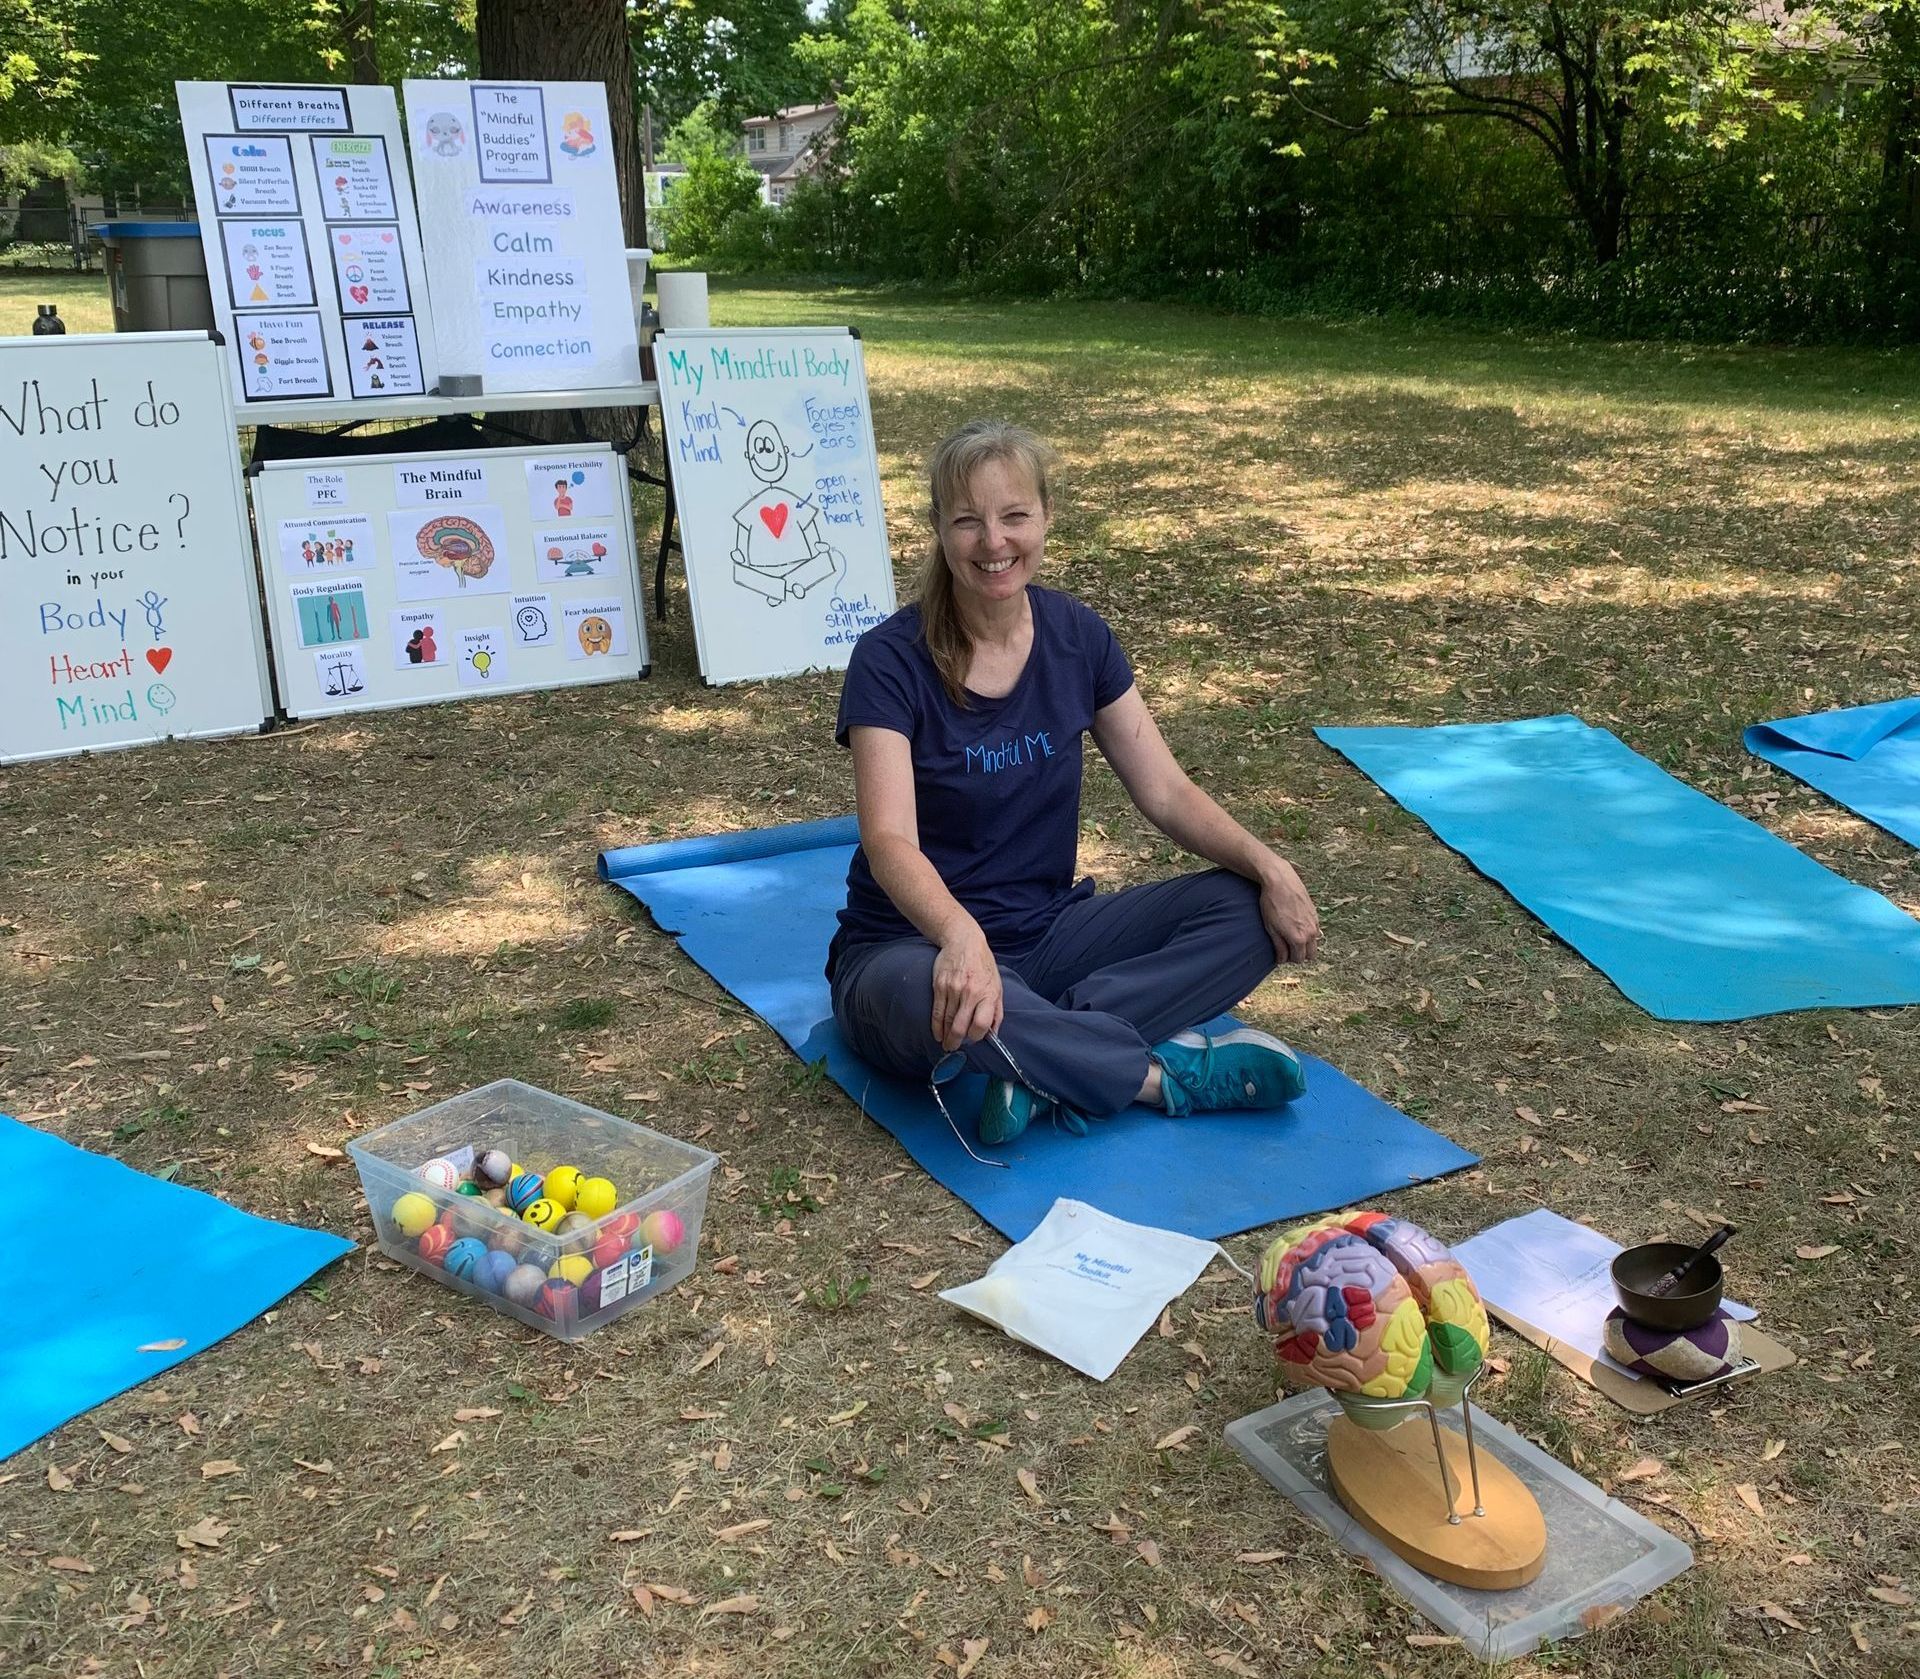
(769, 439)
(128, 610)
(526, 253)
(404, 579)
(312, 247)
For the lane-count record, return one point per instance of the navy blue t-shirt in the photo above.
(997, 785)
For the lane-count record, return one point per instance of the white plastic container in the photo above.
(662, 1186)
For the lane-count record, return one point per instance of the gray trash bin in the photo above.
(157, 274)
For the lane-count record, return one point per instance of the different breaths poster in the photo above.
(560, 488)
(595, 629)
(587, 551)
(419, 638)
(483, 658)
(533, 621)
(331, 612)
(314, 547)
(456, 551)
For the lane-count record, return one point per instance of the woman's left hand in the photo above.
(1292, 922)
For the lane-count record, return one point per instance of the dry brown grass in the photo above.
(1288, 524)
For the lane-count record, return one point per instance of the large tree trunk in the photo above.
(357, 26)
(573, 41)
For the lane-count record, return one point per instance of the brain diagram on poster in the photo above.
(770, 444)
(407, 579)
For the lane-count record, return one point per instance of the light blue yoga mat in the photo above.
(1866, 757)
(756, 910)
(171, 1265)
(1694, 912)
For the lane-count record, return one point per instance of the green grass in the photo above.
(82, 299)
(1287, 523)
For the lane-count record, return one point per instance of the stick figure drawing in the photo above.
(778, 551)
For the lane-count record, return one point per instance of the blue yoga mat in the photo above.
(756, 910)
(1694, 912)
(181, 1266)
(1866, 757)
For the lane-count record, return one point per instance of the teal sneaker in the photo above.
(1243, 1068)
(1007, 1109)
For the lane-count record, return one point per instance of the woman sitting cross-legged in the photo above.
(965, 940)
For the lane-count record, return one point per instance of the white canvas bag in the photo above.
(1085, 1286)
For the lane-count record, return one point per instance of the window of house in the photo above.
(756, 139)
(786, 142)
(779, 195)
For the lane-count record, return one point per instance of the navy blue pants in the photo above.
(1114, 974)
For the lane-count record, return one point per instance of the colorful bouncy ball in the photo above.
(464, 1257)
(524, 1189)
(434, 1243)
(563, 1185)
(663, 1230)
(596, 1197)
(412, 1213)
(542, 1214)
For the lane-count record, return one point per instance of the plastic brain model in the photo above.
(1370, 1305)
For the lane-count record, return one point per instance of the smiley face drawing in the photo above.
(596, 635)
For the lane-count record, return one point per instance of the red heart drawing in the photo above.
(159, 658)
(357, 293)
(775, 519)
(386, 238)
(346, 238)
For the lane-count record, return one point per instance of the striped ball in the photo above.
(1673, 1355)
(524, 1190)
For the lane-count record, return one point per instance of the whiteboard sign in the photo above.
(128, 611)
(312, 247)
(520, 208)
(404, 579)
(769, 439)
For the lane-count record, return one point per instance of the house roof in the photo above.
(793, 113)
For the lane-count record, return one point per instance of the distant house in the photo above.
(786, 146)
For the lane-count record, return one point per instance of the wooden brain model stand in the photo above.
(1381, 1314)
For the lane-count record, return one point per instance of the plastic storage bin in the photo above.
(157, 275)
(663, 1197)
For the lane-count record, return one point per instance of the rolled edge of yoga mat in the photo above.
(706, 849)
(1849, 732)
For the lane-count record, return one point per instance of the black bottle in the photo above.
(48, 324)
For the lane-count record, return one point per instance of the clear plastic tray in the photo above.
(654, 1174)
(1600, 1554)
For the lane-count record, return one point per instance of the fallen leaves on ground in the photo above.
(205, 1534)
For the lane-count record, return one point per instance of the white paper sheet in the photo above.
(1555, 1275)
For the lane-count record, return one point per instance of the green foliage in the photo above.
(1667, 166)
(718, 185)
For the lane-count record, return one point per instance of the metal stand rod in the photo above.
(1440, 1457)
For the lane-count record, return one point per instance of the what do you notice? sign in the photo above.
(127, 604)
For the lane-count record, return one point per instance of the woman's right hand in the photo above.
(967, 1003)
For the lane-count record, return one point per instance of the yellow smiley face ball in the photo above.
(597, 1197)
(413, 1212)
(544, 1214)
(563, 1185)
(573, 1268)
